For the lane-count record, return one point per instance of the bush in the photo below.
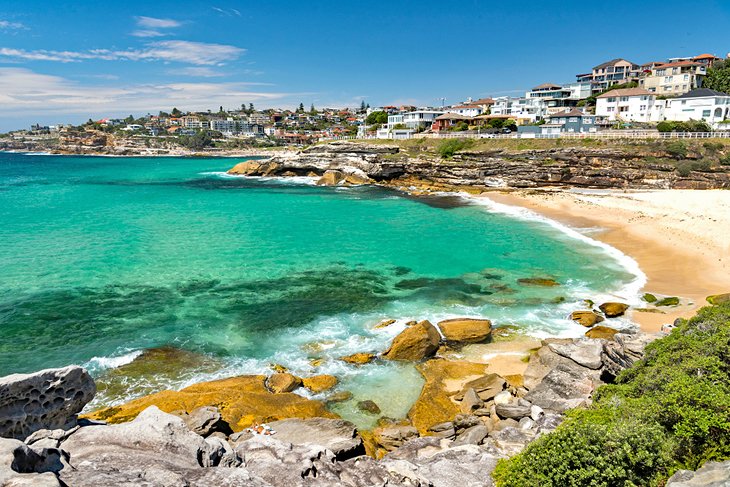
(677, 149)
(713, 146)
(591, 449)
(684, 168)
(668, 411)
(689, 126)
(448, 148)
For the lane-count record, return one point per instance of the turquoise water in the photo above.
(103, 257)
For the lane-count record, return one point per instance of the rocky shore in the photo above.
(465, 420)
(358, 163)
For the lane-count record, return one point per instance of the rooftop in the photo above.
(702, 93)
(612, 62)
(547, 86)
(625, 92)
(573, 112)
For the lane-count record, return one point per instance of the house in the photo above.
(468, 110)
(674, 78)
(572, 121)
(701, 104)
(629, 104)
(420, 119)
(485, 103)
(706, 59)
(190, 122)
(448, 120)
(614, 72)
(523, 110)
(553, 98)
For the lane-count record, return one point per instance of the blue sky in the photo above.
(66, 61)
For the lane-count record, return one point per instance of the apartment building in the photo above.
(614, 72)
(701, 104)
(674, 78)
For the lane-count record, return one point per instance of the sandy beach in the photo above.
(680, 238)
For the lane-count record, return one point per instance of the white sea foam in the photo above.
(630, 292)
(102, 363)
(295, 180)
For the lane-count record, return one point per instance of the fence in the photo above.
(623, 134)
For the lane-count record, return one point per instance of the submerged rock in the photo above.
(586, 318)
(358, 358)
(48, 399)
(538, 281)
(668, 301)
(612, 310)
(368, 406)
(414, 343)
(466, 330)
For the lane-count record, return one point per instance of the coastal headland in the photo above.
(488, 391)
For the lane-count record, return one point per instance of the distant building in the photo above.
(674, 78)
(448, 120)
(467, 110)
(613, 72)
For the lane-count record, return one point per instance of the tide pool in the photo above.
(104, 257)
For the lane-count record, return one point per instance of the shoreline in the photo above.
(677, 244)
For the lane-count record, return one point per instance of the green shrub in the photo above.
(448, 148)
(676, 149)
(684, 168)
(668, 411)
(594, 449)
(725, 161)
(713, 146)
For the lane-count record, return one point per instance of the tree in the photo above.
(362, 106)
(175, 112)
(312, 110)
(129, 119)
(376, 118)
(250, 108)
(198, 141)
(718, 77)
(301, 108)
(220, 110)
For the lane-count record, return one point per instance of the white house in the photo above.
(468, 110)
(701, 104)
(629, 105)
(420, 118)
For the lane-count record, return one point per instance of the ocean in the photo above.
(102, 258)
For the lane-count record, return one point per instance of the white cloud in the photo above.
(25, 94)
(7, 25)
(201, 72)
(147, 33)
(229, 13)
(154, 23)
(198, 53)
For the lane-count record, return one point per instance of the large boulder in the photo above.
(337, 435)
(601, 332)
(414, 343)
(465, 330)
(283, 382)
(586, 318)
(612, 310)
(242, 401)
(486, 387)
(205, 421)
(711, 474)
(48, 399)
(331, 178)
(567, 386)
(246, 168)
(320, 383)
(624, 350)
(583, 351)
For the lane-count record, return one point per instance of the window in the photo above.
(706, 113)
(667, 79)
(642, 108)
(610, 109)
(624, 98)
(611, 100)
(686, 77)
(644, 98)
